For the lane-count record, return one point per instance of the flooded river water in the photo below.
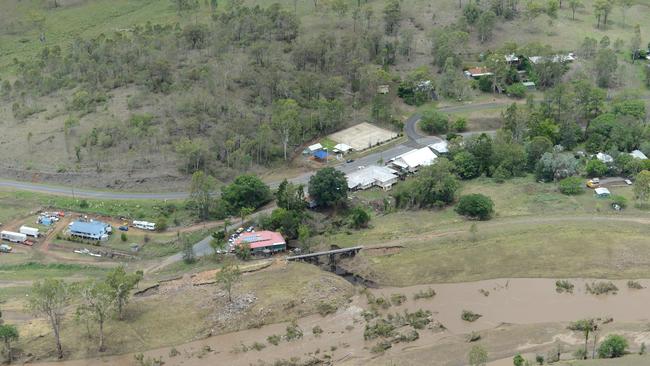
(523, 303)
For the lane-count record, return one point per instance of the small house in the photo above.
(263, 242)
(605, 158)
(477, 72)
(602, 192)
(342, 148)
(638, 154)
(370, 176)
(315, 147)
(94, 230)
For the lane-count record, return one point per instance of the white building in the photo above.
(411, 161)
(343, 148)
(370, 176)
(638, 154)
(441, 147)
(605, 158)
(315, 147)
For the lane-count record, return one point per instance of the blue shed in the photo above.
(320, 154)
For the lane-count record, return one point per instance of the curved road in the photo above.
(415, 140)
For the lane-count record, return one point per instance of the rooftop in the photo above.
(261, 239)
(94, 227)
(369, 175)
(416, 158)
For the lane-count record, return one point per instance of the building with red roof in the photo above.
(263, 241)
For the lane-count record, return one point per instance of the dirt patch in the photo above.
(363, 136)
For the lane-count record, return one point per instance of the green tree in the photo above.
(392, 16)
(285, 121)
(465, 165)
(328, 187)
(471, 12)
(303, 236)
(613, 346)
(518, 360)
(243, 251)
(359, 217)
(434, 122)
(642, 186)
(485, 25)
(50, 297)
(586, 326)
(476, 206)
(244, 212)
(571, 186)
(8, 334)
(434, 186)
(120, 284)
(602, 8)
(290, 196)
(246, 191)
(556, 166)
(575, 5)
(98, 301)
(596, 168)
(285, 221)
(478, 356)
(218, 242)
(201, 188)
(227, 277)
(189, 256)
(482, 148)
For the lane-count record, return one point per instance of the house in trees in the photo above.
(605, 158)
(412, 161)
(477, 72)
(638, 154)
(263, 242)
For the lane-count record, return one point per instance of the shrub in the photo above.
(473, 337)
(634, 285)
(325, 308)
(596, 168)
(434, 122)
(424, 294)
(409, 336)
(469, 316)
(518, 360)
(613, 346)
(459, 125)
(161, 224)
(397, 299)
(477, 206)
(564, 286)
(418, 319)
(123, 237)
(381, 346)
(619, 200)
(258, 346)
(317, 330)
(602, 287)
(571, 186)
(358, 217)
(274, 339)
(517, 90)
(293, 332)
(485, 84)
(380, 328)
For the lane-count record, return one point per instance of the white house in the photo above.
(411, 161)
(638, 154)
(441, 147)
(370, 176)
(605, 158)
(343, 148)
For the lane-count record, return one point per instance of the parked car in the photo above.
(123, 228)
(628, 182)
(250, 229)
(349, 161)
(4, 248)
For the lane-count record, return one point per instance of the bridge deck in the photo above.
(328, 252)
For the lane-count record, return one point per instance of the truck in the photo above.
(29, 231)
(144, 225)
(13, 237)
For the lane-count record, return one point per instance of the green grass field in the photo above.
(536, 232)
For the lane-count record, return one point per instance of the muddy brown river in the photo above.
(528, 311)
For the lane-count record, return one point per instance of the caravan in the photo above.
(13, 237)
(145, 225)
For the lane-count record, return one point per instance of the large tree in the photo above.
(50, 297)
(246, 191)
(98, 301)
(8, 334)
(392, 16)
(201, 189)
(285, 121)
(605, 67)
(328, 187)
(120, 284)
(291, 196)
(227, 277)
(642, 186)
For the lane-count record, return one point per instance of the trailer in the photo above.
(29, 231)
(13, 237)
(145, 225)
